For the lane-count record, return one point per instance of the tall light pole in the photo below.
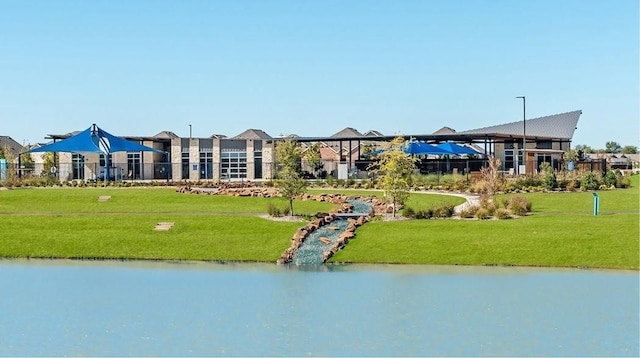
(190, 131)
(524, 132)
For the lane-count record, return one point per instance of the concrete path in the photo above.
(471, 200)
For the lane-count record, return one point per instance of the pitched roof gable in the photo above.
(347, 133)
(561, 125)
(166, 135)
(9, 143)
(253, 134)
(372, 133)
(445, 130)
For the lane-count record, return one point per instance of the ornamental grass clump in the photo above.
(518, 205)
(275, 211)
(482, 213)
(488, 204)
(502, 214)
(443, 210)
(469, 211)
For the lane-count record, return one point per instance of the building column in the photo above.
(194, 159)
(251, 172)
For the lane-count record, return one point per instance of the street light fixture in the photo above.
(524, 132)
(190, 131)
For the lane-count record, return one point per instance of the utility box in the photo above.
(343, 171)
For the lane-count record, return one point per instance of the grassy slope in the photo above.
(72, 223)
(562, 232)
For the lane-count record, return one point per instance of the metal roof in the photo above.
(557, 126)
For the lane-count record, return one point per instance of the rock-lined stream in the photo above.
(313, 249)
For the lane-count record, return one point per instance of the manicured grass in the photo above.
(138, 200)
(561, 232)
(194, 237)
(581, 241)
(71, 223)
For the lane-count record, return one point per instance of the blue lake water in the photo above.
(81, 308)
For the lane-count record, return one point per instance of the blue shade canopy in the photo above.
(94, 140)
(422, 148)
(457, 149)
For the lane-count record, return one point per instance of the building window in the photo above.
(77, 164)
(133, 166)
(103, 162)
(185, 165)
(520, 160)
(544, 158)
(234, 165)
(544, 144)
(508, 159)
(257, 165)
(206, 165)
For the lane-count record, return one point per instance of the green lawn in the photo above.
(137, 200)
(561, 232)
(71, 223)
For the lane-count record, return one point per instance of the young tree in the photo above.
(49, 160)
(367, 150)
(395, 168)
(27, 161)
(289, 183)
(314, 159)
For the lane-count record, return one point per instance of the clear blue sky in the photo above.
(312, 68)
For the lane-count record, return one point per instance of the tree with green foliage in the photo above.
(49, 161)
(611, 178)
(314, 159)
(589, 182)
(27, 161)
(289, 179)
(395, 168)
(583, 148)
(549, 178)
(570, 156)
(2, 153)
(629, 149)
(612, 147)
(367, 149)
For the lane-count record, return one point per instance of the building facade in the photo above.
(251, 154)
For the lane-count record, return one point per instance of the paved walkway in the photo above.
(471, 200)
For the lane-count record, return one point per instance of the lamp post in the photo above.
(524, 132)
(190, 131)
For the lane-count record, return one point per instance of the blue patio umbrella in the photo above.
(95, 140)
(457, 149)
(422, 148)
